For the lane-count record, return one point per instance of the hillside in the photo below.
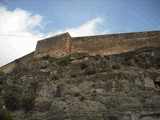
(83, 87)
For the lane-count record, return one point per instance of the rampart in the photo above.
(57, 46)
(18, 62)
(63, 45)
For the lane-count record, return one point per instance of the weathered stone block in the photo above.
(149, 83)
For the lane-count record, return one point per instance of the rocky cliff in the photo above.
(83, 87)
(63, 45)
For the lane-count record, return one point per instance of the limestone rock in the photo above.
(149, 83)
(58, 106)
(62, 89)
(42, 105)
(124, 87)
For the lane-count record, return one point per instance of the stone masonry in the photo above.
(63, 45)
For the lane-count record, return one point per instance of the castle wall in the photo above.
(8, 68)
(114, 44)
(57, 46)
(63, 45)
(18, 62)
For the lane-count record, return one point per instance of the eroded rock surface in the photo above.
(83, 87)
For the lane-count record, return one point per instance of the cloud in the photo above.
(23, 23)
(17, 22)
(88, 28)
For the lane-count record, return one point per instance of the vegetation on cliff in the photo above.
(79, 86)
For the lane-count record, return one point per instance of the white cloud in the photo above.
(17, 22)
(88, 28)
(23, 23)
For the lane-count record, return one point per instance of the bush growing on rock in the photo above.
(128, 56)
(54, 77)
(143, 64)
(116, 66)
(89, 71)
(5, 115)
(11, 101)
(28, 103)
(77, 94)
(47, 57)
(34, 85)
(82, 98)
(1, 74)
(113, 118)
(83, 66)
(63, 62)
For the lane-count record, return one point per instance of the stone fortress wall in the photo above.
(18, 62)
(63, 45)
(57, 46)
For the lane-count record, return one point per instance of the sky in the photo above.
(24, 22)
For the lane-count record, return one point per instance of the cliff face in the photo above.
(63, 45)
(108, 77)
(83, 87)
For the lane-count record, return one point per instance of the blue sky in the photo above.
(43, 18)
(118, 15)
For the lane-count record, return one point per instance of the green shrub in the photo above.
(5, 115)
(128, 56)
(156, 62)
(112, 118)
(82, 98)
(143, 64)
(63, 62)
(28, 103)
(55, 77)
(11, 101)
(34, 85)
(25, 69)
(1, 74)
(116, 66)
(107, 57)
(89, 71)
(83, 66)
(46, 57)
(77, 94)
